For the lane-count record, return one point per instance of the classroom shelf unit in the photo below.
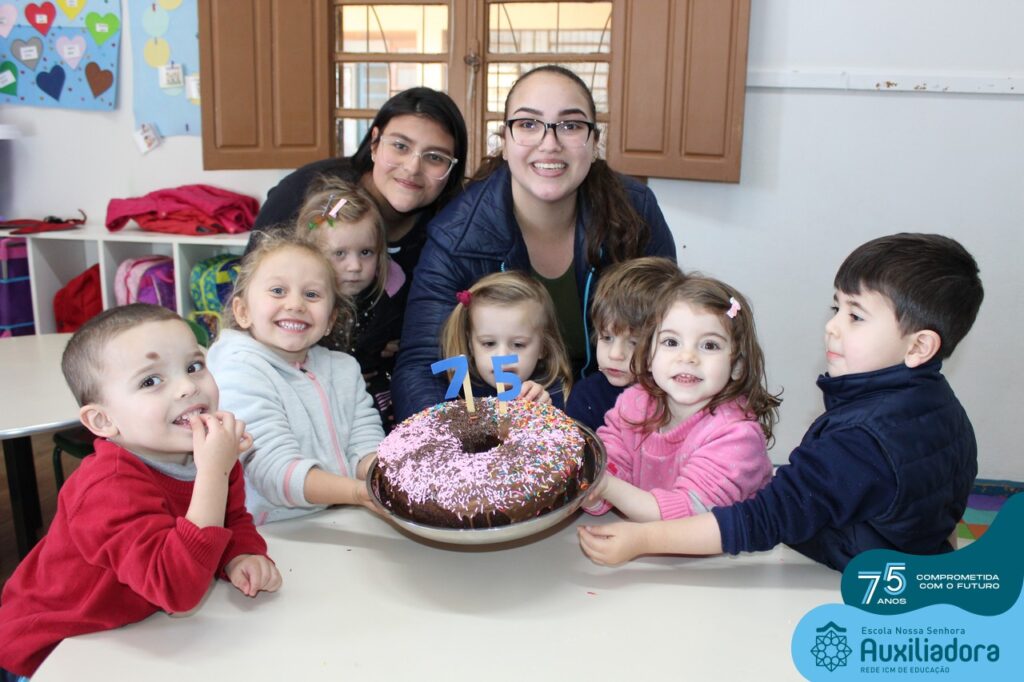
(55, 258)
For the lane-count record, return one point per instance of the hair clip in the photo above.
(733, 309)
(464, 297)
(333, 213)
(328, 213)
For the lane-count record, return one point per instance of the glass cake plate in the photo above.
(594, 460)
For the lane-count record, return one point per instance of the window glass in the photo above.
(524, 27)
(392, 29)
(367, 85)
(501, 76)
(350, 132)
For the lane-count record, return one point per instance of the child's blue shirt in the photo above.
(591, 398)
(888, 465)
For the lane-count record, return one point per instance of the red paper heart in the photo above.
(99, 79)
(41, 16)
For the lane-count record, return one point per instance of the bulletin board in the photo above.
(165, 65)
(62, 53)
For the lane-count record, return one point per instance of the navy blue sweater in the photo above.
(591, 399)
(476, 235)
(888, 465)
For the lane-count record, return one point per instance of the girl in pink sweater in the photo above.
(692, 434)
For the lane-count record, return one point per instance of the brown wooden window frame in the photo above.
(677, 77)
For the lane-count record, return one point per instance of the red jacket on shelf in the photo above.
(189, 209)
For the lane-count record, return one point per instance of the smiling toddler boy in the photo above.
(157, 513)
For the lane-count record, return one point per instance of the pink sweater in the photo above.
(721, 458)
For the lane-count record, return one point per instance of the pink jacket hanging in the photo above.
(189, 209)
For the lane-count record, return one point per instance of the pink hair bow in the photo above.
(464, 297)
(733, 309)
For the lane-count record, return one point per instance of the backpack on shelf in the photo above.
(211, 282)
(78, 301)
(149, 279)
(15, 289)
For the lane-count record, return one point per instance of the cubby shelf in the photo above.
(55, 258)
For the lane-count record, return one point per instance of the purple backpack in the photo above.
(15, 289)
(149, 279)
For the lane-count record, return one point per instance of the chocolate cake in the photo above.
(451, 468)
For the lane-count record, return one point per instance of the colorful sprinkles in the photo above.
(425, 457)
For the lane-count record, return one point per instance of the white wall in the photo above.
(823, 171)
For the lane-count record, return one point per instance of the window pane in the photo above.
(501, 76)
(550, 27)
(367, 85)
(392, 29)
(350, 132)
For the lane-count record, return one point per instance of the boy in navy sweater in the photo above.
(892, 460)
(624, 301)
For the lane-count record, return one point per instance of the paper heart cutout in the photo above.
(71, 8)
(102, 27)
(52, 82)
(8, 15)
(41, 16)
(71, 50)
(28, 52)
(12, 87)
(99, 79)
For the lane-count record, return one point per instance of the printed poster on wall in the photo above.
(165, 65)
(62, 53)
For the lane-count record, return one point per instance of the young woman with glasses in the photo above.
(412, 161)
(546, 205)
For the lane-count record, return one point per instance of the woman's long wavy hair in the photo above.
(615, 231)
(508, 289)
(751, 384)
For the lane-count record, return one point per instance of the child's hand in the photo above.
(217, 441)
(364, 498)
(596, 493)
(251, 573)
(534, 392)
(390, 350)
(612, 544)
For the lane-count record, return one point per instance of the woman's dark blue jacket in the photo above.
(475, 235)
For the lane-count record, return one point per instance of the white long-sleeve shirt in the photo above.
(316, 415)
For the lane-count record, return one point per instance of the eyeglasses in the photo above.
(395, 151)
(530, 132)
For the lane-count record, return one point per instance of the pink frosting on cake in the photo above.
(423, 458)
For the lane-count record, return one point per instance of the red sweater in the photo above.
(118, 550)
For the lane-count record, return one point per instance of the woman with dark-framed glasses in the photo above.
(546, 205)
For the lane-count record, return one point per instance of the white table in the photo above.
(363, 601)
(33, 398)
